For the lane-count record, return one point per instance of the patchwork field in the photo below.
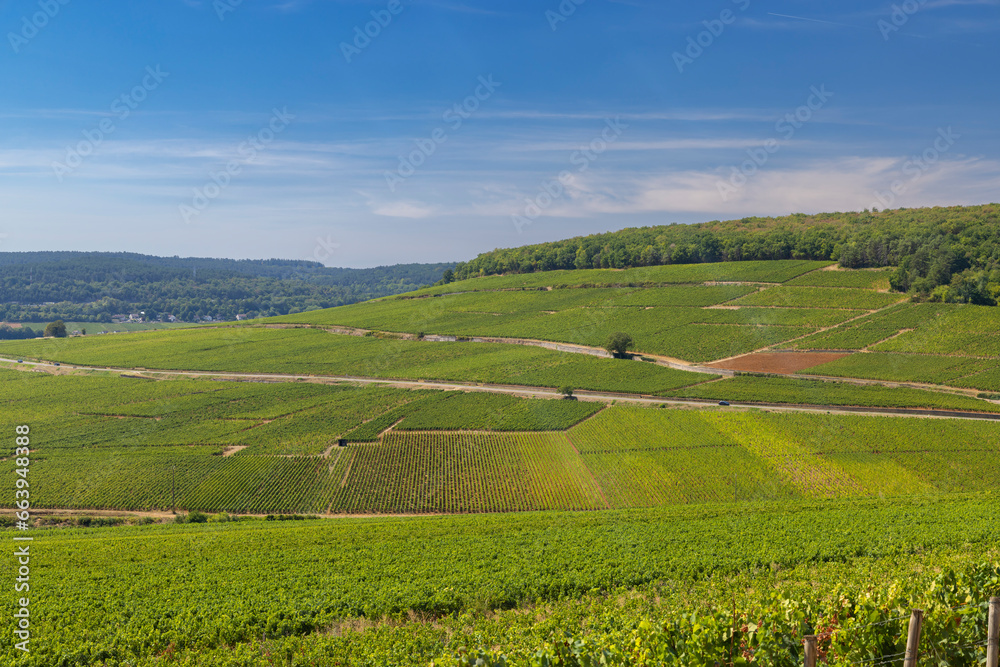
(693, 313)
(655, 521)
(108, 442)
(709, 312)
(121, 443)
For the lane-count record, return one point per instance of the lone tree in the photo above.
(618, 343)
(566, 391)
(56, 329)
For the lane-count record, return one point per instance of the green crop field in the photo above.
(662, 320)
(185, 477)
(904, 367)
(656, 329)
(314, 352)
(640, 587)
(869, 280)
(451, 472)
(854, 336)
(119, 443)
(988, 381)
(955, 329)
(244, 448)
(644, 457)
(819, 297)
(785, 390)
(643, 532)
(752, 272)
(497, 412)
(927, 328)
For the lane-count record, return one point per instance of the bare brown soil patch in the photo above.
(778, 362)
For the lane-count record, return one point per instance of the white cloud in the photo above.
(849, 183)
(832, 185)
(402, 209)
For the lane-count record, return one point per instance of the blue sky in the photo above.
(257, 128)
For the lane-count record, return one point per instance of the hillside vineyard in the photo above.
(777, 436)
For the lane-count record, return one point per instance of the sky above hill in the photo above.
(363, 133)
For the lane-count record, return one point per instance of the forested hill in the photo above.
(93, 286)
(946, 254)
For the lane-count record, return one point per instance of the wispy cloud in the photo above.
(804, 18)
(291, 5)
(848, 183)
(943, 4)
(463, 8)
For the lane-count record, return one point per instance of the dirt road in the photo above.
(531, 392)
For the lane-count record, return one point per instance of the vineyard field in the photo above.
(924, 328)
(778, 271)
(645, 456)
(402, 473)
(498, 412)
(801, 317)
(306, 351)
(682, 295)
(869, 280)
(139, 480)
(370, 430)
(150, 434)
(457, 473)
(855, 336)
(819, 297)
(903, 367)
(956, 329)
(708, 342)
(787, 390)
(647, 477)
(657, 329)
(240, 593)
(985, 381)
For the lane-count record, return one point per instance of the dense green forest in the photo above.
(942, 254)
(95, 287)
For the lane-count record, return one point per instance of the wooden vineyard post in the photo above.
(810, 650)
(913, 638)
(993, 637)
